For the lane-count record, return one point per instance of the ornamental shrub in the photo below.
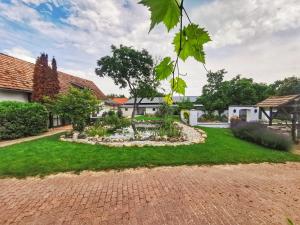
(96, 130)
(113, 121)
(76, 105)
(18, 119)
(169, 129)
(260, 134)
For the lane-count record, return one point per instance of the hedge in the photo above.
(18, 119)
(260, 134)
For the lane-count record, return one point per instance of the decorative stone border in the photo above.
(190, 136)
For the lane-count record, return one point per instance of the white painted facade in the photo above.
(250, 113)
(127, 112)
(10, 95)
(151, 110)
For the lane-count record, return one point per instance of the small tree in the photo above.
(45, 82)
(45, 79)
(130, 68)
(77, 106)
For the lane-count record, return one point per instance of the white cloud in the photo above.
(20, 53)
(234, 22)
(248, 36)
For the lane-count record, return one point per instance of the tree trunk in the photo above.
(132, 117)
(50, 120)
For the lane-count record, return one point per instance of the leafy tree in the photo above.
(76, 105)
(185, 104)
(288, 86)
(214, 95)
(45, 79)
(130, 68)
(219, 94)
(45, 82)
(188, 42)
(244, 91)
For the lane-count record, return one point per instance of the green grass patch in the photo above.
(49, 155)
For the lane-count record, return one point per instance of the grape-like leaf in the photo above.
(178, 85)
(168, 99)
(164, 69)
(193, 39)
(166, 11)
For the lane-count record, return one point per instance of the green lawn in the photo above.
(49, 155)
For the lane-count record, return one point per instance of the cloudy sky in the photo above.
(255, 38)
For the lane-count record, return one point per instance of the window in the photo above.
(255, 110)
(234, 111)
(126, 109)
(153, 109)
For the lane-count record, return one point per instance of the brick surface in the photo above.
(217, 195)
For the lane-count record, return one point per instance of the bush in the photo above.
(76, 105)
(113, 121)
(186, 116)
(169, 129)
(96, 130)
(19, 119)
(165, 110)
(212, 118)
(260, 134)
(120, 113)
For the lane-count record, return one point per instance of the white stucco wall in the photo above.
(149, 111)
(6, 95)
(127, 112)
(252, 112)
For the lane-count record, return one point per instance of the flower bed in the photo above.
(151, 137)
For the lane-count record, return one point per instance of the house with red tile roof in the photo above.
(16, 80)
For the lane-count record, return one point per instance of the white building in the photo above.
(150, 107)
(16, 81)
(248, 113)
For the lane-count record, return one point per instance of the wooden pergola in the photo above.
(289, 105)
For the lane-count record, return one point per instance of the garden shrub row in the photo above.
(260, 134)
(18, 119)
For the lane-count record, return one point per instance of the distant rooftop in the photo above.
(160, 100)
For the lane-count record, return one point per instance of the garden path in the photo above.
(46, 134)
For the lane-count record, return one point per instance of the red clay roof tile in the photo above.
(17, 74)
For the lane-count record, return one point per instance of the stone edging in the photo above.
(191, 135)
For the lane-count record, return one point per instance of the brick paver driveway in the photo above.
(241, 194)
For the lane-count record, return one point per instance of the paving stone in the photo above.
(217, 195)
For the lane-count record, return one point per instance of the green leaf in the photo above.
(178, 85)
(290, 221)
(193, 39)
(164, 69)
(166, 11)
(168, 99)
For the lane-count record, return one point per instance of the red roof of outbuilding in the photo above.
(120, 101)
(17, 74)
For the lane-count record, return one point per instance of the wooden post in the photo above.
(271, 117)
(294, 121)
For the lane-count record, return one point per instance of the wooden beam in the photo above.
(264, 112)
(271, 117)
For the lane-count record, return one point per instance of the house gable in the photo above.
(17, 75)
